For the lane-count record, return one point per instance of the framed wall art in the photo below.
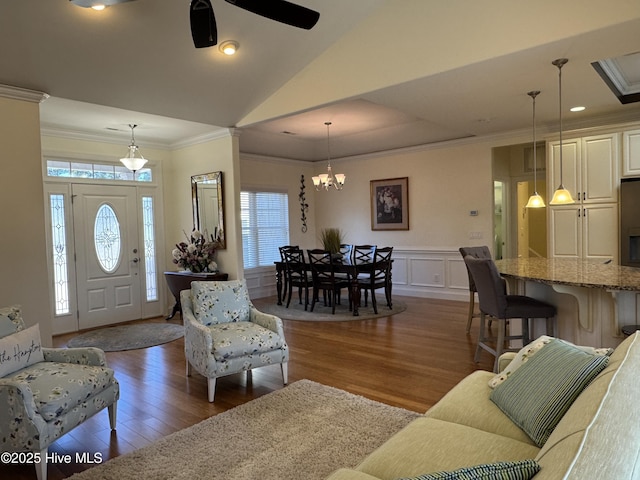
(390, 204)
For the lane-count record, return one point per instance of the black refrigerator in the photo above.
(630, 222)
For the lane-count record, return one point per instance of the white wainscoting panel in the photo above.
(261, 281)
(417, 272)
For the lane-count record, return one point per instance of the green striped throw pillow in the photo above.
(537, 395)
(520, 470)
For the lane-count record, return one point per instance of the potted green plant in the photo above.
(331, 239)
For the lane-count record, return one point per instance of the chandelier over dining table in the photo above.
(328, 180)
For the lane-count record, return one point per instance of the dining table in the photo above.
(345, 265)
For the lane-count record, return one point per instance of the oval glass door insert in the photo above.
(106, 238)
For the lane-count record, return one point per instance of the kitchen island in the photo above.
(594, 299)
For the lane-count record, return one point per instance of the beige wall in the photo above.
(212, 156)
(285, 175)
(444, 185)
(174, 176)
(23, 261)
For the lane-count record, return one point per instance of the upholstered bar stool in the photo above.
(476, 252)
(494, 302)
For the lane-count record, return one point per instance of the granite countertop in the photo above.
(574, 272)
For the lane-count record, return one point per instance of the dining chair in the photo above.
(364, 253)
(323, 274)
(496, 303)
(346, 251)
(378, 277)
(296, 275)
(282, 251)
(476, 252)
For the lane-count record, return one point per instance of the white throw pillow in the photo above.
(529, 350)
(20, 350)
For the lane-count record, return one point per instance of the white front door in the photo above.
(107, 254)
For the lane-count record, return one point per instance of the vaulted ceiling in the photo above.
(387, 73)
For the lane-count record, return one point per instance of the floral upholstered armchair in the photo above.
(46, 392)
(225, 334)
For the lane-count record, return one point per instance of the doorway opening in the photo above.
(519, 231)
(103, 249)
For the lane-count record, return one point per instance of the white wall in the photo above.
(24, 278)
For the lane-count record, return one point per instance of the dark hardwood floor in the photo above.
(409, 360)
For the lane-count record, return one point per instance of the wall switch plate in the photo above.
(475, 235)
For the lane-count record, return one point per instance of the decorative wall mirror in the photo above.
(206, 195)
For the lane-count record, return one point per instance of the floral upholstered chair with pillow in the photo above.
(46, 392)
(225, 334)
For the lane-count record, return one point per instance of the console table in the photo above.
(178, 281)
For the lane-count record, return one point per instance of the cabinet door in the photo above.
(565, 235)
(600, 232)
(631, 153)
(570, 167)
(599, 174)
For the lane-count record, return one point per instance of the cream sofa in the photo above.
(597, 438)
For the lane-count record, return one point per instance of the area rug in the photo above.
(321, 313)
(128, 337)
(303, 431)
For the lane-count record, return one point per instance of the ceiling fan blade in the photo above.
(280, 11)
(203, 24)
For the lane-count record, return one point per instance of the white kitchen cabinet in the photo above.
(584, 231)
(590, 168)
(631, 153)
(587, 229)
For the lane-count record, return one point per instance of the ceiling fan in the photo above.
(203, 21)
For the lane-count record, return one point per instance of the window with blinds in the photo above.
(265, 226)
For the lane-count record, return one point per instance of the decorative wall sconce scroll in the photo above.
(304, 206)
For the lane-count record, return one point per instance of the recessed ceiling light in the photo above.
(577, 109)
(229, 47)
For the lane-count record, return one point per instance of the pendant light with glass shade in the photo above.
(133, 160)
(535, 200)
(561, 196)
(327, 180)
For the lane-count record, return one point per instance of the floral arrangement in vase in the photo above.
(197, 254)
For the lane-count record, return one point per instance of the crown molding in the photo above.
(275, 160)
(51, 130)
(204, 138)
(24, 94)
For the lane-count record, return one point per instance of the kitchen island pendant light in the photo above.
(535, 200)
(561, 196)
